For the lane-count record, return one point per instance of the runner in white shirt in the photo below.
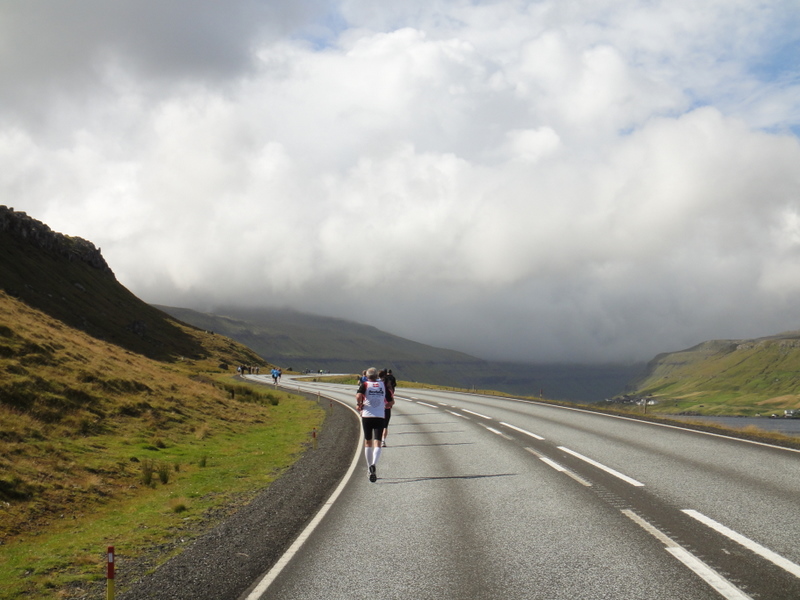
(370, 401)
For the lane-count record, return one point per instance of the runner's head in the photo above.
(372, 374)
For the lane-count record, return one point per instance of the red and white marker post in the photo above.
(110, 574)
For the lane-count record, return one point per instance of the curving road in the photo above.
(484, 497)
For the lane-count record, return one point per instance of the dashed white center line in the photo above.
(602, 467)
(561, 469)
(495, 431)
(725, 588)
(426, 404)
(457, 414)
(525, 431)
(771, 556)
(477, 414)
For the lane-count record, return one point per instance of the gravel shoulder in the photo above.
(223, 562)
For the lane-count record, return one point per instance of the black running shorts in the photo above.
(373, 427)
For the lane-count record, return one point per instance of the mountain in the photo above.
(303, 341)
(90, 375)
(309, 342)
(68, 279)
(731, 377)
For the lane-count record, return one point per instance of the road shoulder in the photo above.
(223, 562)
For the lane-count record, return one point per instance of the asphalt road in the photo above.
(481, 497)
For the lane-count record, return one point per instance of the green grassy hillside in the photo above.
(732, 377)
(119, 425)
(102, 446)
(63, 391)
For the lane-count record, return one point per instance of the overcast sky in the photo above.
(560, 180)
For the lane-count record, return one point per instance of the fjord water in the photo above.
(780, 425)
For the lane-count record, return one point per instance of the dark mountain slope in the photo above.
(67, 278)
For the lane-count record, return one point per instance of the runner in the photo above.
(387, 378)
(371, 398)
(391, 384)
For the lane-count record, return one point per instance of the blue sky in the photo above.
(536, 181)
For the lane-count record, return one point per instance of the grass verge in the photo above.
(208, 474)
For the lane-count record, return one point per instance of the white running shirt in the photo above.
(374, 396)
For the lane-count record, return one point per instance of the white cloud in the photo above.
(529, 180)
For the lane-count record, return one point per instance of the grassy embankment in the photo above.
(100, 446)
(749, 378)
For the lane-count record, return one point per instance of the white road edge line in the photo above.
(525, 431)
(701, 569)
(260, 589)
(477, 414)
(719, 435)
(771, 556)
(558, 467)
(601, 466)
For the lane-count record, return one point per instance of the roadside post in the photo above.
(110, 574)
(314, 437)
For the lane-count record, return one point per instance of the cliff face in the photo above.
(37, 234)
(68, 278)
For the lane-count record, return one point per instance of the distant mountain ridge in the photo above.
(303, 341)
(68, 278)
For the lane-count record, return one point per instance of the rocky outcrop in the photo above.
(21, 226)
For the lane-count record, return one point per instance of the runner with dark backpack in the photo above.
(390, 382)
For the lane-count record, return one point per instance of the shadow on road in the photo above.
(393, 446)
(400, 480)
(426, 432)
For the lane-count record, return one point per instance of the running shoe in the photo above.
(372, 476)
(384, 443)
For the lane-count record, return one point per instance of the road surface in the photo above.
(484, 497)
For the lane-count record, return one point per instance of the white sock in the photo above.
(376, 454)
(368, 454)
